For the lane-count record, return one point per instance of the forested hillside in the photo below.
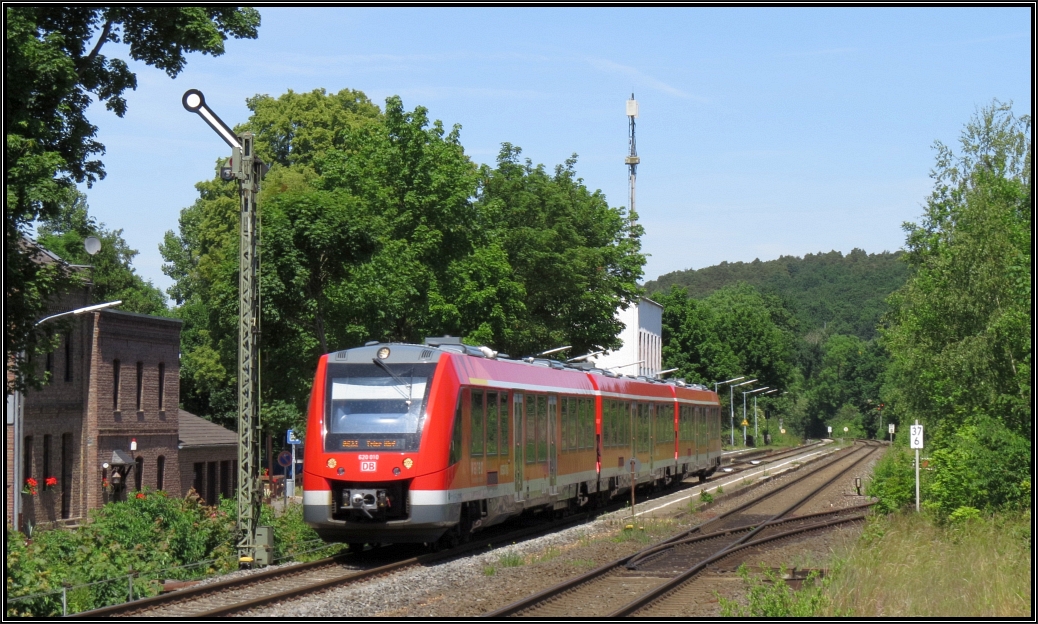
(844, 294)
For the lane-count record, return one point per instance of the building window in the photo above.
(211, 495)
(115, 384)
(140, 384)
(162, 386)
(225, 478)
(138, 473)
(49, 366)
(199, 483)
(27, 458)
(68, 356)
(66, 475)
(160, 472)
(46, 460)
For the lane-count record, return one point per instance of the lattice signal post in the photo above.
(245, 167)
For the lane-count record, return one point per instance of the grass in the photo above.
(645, 531)
(511, 560)
(909, 566)
(582, 563)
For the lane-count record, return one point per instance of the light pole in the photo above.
(744, 421)
(731, 405)
(721, 383)
(19, 416)
(755, 410)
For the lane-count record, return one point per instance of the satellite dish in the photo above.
(92, 244)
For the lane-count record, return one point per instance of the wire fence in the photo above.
(153, 577)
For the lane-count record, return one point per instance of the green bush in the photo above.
(893, 480)
(983, 465)
(152, 536)
(771, 597)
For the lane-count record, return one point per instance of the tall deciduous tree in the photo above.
(376, 225)
(112, 275)
(960, 331)
(53, 70)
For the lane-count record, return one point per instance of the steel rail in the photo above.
(539, 597)
(743, 542)
(674, 584)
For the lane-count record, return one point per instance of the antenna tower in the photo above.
(632, 159)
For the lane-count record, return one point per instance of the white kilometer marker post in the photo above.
(916, 437)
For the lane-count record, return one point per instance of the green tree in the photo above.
(736, 331)
(53, 70)
(112, 275)
(574, 260)
(383, 230)
(960, 330)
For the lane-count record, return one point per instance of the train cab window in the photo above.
(492, 426)
(371, 407)
(477, 416)
(505, 425)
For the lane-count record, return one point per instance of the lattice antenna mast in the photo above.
(632, 159)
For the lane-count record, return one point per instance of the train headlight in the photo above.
(383, 353)
(408, 462)
(332, 463)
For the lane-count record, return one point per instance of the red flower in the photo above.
(140, 494)
(30, 486)
(31, 482)
(50, 481)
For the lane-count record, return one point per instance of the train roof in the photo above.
(482, 366)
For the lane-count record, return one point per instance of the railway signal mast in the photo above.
(632, 159)
(245, 167)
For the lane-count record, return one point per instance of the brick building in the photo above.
(114, 386)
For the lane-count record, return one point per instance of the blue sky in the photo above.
(763, 131)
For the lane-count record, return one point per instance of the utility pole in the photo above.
(245, 167)
(632, 159)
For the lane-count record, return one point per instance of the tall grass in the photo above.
(908, 565)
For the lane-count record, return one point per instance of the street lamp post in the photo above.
(19, 416)
(744, 421)
(721, 383)
(731, 406)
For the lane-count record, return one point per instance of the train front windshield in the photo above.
(371, 407)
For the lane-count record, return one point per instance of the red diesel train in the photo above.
(427, 443)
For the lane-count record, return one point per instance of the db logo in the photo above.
(367, 466)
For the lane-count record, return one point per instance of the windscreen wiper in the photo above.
(382, 365)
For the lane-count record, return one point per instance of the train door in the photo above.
(518, 418)
(553, 448)
(655, 435)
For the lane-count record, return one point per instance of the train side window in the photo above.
(492, 423)
(477, 416)
(583, 406)
(576, 419)
(531, 428)
(590, 428)
(587, 424)
(612, 433)
(505, 426)
(542, 428)
(566, 425)
(455, 451)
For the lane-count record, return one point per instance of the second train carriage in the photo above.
(417, 443)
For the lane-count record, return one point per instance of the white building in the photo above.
(642, 337)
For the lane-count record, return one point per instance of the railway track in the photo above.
(236, 595)
(654, 580)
